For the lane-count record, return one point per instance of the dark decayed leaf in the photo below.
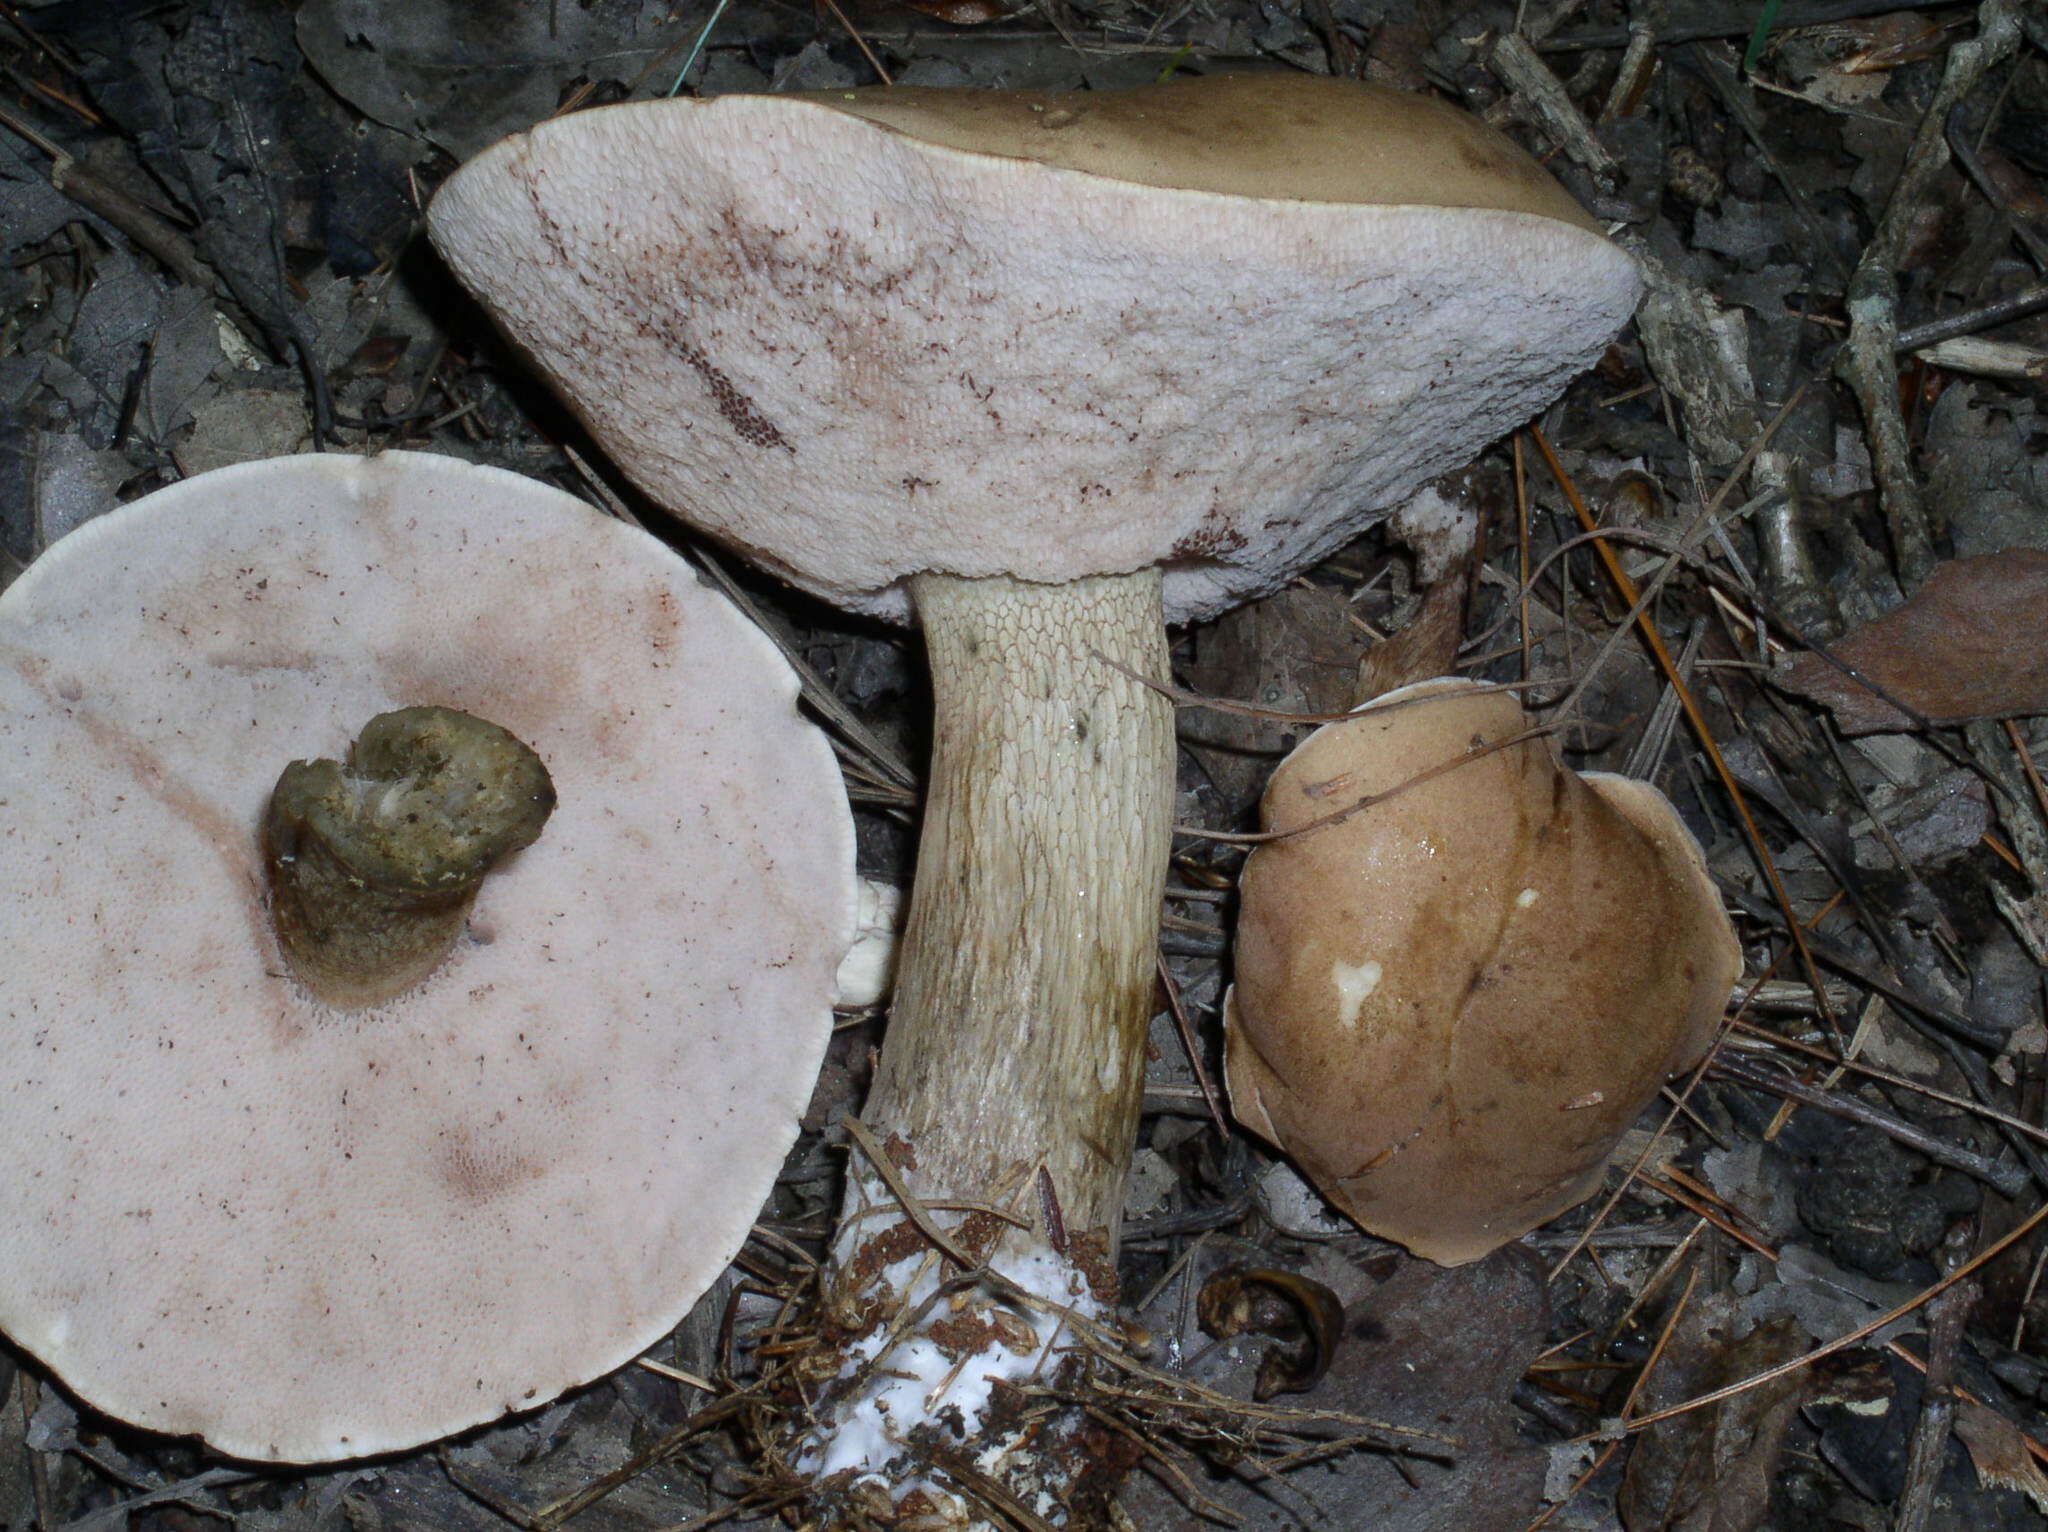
(1967, 645)
(1710, 1469)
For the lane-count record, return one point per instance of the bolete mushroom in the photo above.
(1044, 371)
(310, 1228)
(1450, 1003)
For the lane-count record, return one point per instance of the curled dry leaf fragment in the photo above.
(304, 1228)
(1999, 1452)
(1299, 1312)
(1967, 645)
(1451, 1003)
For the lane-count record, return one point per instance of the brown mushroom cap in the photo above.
(307, 1233)
(1215, 325)
(1450, 1005)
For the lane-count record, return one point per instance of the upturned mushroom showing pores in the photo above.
(1209, 326)
(1040, 371)
(307, 1230)
(1450, 1003)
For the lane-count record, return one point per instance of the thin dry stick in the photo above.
(1866, 360)
(2019, 748)
(1692, 1202)
(675, 1374)
(1706, 522)
(1698, 720)
(1929, 1449)
(1902, 1082)
(1653, 1285)
(1635, 1391)
(660, 1450)
(2035, 1450)
(859, 42)
(915, 1210)
(1522, 545)
(1861, 1332)
(1187, 1041)
(2007, 1180)
(1191, 1497)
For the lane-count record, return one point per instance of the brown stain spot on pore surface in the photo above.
(663, 619)
(232, 843)
(476, 1172)
(748, 423)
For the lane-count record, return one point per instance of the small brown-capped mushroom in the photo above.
(1042, 371)
(476, 1174)
(1450, 1003)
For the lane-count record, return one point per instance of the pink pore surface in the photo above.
(306, 1233)
(858, 356)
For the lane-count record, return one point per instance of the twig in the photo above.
(1986, 316)
(1719, 67)
(1929, 1449)
(659, 1451)
(1194, 1052)
(1860, 1333)
(1635, 1391)
(510, 1510)
(1531, 80)
(2010, 1181)
(1865, 364)
(1987, 358)
(1696, 717)
(1946, 1019)
(1687, 21)
(1757, 1040)
(859, 42)
(1866, 361)
(1957, 132)
(912, 1208)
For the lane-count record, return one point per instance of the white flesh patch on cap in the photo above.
(1355, 983)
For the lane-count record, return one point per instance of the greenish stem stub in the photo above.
(374, 864)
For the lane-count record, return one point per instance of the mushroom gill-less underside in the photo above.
(307, 1232)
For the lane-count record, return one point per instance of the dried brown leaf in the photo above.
(1710, 1470)
(1999, 1450)
(1966, 646)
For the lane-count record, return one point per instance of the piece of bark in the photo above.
(1966, 646)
